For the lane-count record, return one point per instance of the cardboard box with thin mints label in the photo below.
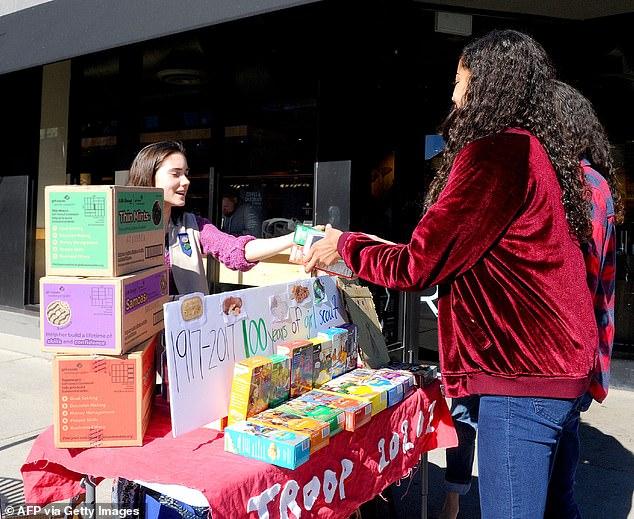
(103, 230)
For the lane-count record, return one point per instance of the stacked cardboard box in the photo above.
(102, 310)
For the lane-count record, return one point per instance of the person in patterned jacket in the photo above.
(591, 146)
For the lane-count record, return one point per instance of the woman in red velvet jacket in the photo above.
(501, 236)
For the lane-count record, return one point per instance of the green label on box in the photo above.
(139, 211)
(302, 232)
(78, 229)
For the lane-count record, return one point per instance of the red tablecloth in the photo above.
(333, 483)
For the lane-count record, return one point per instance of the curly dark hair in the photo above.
(582, 128)
(510, 86)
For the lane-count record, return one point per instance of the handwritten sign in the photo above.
(206, 335)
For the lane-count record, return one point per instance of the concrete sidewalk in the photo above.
(605, 483)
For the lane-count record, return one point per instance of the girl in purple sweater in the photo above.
(187, 236)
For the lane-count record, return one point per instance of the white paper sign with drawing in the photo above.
(206, 335)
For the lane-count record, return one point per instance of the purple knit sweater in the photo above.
(226, 248)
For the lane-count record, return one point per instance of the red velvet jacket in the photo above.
(515, 315)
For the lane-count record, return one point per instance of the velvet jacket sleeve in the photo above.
(226, 248)
(486, 188)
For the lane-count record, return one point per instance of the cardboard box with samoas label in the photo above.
(103, 230)
(109, 316)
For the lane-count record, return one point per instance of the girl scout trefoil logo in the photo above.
(186, 247)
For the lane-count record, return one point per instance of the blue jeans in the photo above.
(517, 445)
(464, 412)
(560, 502)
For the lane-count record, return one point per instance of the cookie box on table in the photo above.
(280, 379)
(319, 432)
(250, 388)
(356, 388)
(279, 447)
(424, 374)
(303, 407)
(301, 355)
(339, 352)
(352, 345)
(355, 412)
(403, 381)
(322, 360)
(395, 385)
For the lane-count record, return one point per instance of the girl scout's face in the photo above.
(460, 86)
(173, 177)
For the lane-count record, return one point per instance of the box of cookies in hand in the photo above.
(303, 239)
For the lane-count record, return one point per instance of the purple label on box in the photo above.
(144, 291)
(79, 315)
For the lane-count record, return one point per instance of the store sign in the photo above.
(206, 335)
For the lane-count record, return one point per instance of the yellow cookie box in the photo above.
(251, 388)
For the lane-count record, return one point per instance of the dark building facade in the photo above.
(267, 96)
